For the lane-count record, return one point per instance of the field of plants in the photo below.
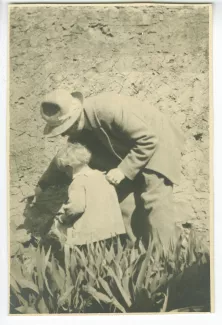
(115, 278)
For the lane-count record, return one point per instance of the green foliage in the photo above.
(112, 279)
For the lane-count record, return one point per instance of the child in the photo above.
(92, 212)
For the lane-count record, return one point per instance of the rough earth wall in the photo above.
(157, 53)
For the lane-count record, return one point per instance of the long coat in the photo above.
(138, 135)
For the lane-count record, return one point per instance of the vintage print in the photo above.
(109, 159)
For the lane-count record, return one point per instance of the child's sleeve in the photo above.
(77, 201)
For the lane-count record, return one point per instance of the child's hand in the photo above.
(63, 215)
(61, 210)
(115, 176)
(69, 209)
(57, 231)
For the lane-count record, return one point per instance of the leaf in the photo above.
(82, 256)
(22, 309)
(98, 249)
(118, 270)
(124, 263)
(14, 285)
(42, 253)
(91, 254)
(39, 269)
(56, 276)
(120, 287)
(27, 284)
(51, 304)
(47, 258)
(164, 307)
(67, 258)
(133, 255)
(109, 256)
(65, 296)
(68, 279)
(118, 256)
(47, 285)
(16, 268)
(103, 248)
(80, 278)
(132, 289)
(105, 286)
(161, 283)
(137, 265)
(41, 306)
(91, 261)
(190, 309)
(90, 272)
(99, 255)
(61, 271)
(141, 248)
(73, 263)
(42, 264)
(118, 305)
(31, 310)
(98, 296)
(126, 278)
(21, 300)
(142, 272)
(14, 248)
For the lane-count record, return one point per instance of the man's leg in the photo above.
(156, 197)
(127, 205)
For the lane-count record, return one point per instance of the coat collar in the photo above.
(85, 173)
(92, 118)
(94, 123)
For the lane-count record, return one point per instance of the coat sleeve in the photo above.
(131, 128)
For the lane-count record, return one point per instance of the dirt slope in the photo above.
(157, 53)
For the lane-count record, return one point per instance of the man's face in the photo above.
(75, 128)
(70, 131)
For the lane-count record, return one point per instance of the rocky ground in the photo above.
(157, 53)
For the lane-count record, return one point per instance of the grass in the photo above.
(111, 279)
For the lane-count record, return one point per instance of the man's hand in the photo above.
(115, 176)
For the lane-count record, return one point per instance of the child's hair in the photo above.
(73, 153)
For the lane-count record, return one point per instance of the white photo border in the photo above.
(211, 318)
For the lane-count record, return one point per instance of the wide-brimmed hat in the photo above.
(61, 110)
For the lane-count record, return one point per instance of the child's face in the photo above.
(73, 167)
(74, 163)
(69, 171)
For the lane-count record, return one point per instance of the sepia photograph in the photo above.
(110, 148)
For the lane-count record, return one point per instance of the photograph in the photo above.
(110, 159)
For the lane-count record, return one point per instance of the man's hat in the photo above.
(61, 110)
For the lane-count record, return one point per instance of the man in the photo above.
(136, 144)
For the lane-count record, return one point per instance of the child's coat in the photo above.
(95, 200)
